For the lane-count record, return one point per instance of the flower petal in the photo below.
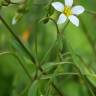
(76, 10)
(62, 19)
(58, 6)
(68, 3)
(74, 20)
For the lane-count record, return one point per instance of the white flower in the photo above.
(68, 12)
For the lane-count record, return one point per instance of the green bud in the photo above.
(45, 20)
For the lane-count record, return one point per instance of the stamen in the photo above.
(67, 11)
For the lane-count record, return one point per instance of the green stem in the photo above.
(53, 22)
(66, 24)
(61, 40)
(20, 62)
(55, 25)
(91, 12)
(55, 87)
(18, 40)
(48, 52)
(27, 51)
(94, 75)
(36, 44)
(50, 49)
(67, 74)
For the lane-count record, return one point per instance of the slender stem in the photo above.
(65, 54)
(36, 43)
(53, 22)
(20, 62)
(67, 74)
(50, 49)
(90, 89)
(55, 87)
(58, 34)
(36, 53)
(66, 24)
(27, 51)
(55, 25)
(59, 92)
(47, 53)
(18, 40)
(61, 40)
(91, 12)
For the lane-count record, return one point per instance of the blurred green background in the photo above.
(75, 79)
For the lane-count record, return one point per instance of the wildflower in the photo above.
(68, 11)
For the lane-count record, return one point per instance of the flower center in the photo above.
(67, 11)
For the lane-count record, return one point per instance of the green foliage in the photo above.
(39, 57)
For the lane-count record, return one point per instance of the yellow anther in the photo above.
(67, 11)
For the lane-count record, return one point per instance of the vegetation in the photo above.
(39, 57)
